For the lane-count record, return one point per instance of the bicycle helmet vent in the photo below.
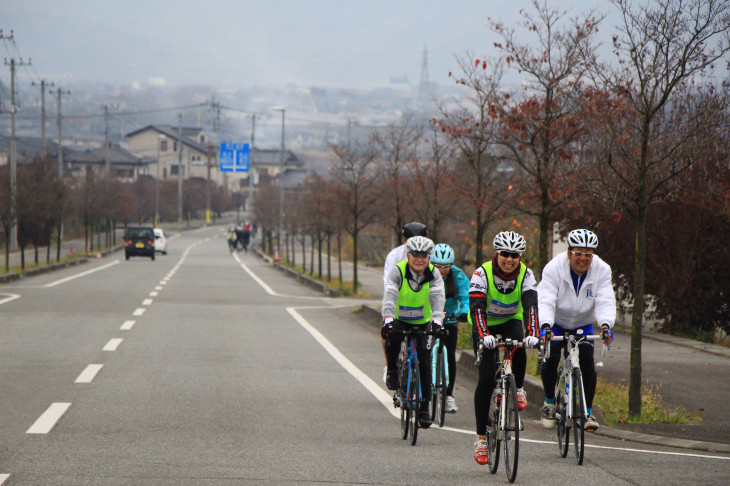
(510, 241)
(442, 254)
(582, 238)
(419, 244)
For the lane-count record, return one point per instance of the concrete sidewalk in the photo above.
(685, 373)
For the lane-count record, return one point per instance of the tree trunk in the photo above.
(637, 316)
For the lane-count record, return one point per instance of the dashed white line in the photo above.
(3, 477)
(112, 345)
(127, 325)
(147, 302)
(154, 294)
(138, 312)
(48, 420)
(89, 373)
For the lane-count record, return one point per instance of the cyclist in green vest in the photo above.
(413, 297)
(502, 300)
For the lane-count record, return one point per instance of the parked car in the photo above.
(139, 241)
(160, 241)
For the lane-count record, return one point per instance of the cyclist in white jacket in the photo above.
(575, 291)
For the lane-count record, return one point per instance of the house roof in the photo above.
(172, 132)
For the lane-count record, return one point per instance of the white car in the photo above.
(160, 241)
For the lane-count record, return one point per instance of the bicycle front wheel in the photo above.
(414, 401)
(561, 411)
(435, 365)
(442, 386)
(579, 415)
(493, 433)
(405, 410)
(511, 429)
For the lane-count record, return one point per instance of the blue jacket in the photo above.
(459, 303)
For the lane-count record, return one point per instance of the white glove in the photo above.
(489, 342)
(531, 341)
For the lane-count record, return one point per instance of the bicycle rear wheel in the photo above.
(579, 416)
(511, 429)
(561, 411)
(414, 401)
(493, 437)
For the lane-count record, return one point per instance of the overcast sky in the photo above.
(238, 43)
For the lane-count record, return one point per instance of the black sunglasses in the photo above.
(418, 254)
(509, 254)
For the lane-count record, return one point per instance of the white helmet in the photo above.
(510, 241)
(582, 238)
(419, 244)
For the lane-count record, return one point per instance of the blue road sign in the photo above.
(234, 157)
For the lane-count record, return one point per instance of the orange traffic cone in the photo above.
(276, 255)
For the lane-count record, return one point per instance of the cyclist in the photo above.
(574, 292)
(413, 298)
(456, 288)
(398, 253)
(502, 295)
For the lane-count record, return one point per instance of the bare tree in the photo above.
(661, 47)
(353, 171)
(540, 126)
(472, 126)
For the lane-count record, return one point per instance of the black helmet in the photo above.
(414, 229)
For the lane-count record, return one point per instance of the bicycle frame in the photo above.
(439, 349)
(412, 355)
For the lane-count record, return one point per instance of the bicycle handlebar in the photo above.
(498, 342)
(576, 340)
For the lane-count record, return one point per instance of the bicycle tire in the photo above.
(493, 437)
(414, 401)
(435, 387)
(403, 397)
(579, 416)
(511, 438)
(442, 390)
(561, 412)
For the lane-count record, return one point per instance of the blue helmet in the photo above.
(442, 254)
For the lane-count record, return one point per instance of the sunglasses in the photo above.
(418, 254)
(509, 254)
(579, 254)
(444, 265)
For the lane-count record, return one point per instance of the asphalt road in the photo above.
(204, 367)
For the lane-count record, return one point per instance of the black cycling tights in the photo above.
(392, 348)
(549, 370)
(488, 367)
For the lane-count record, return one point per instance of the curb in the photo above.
(310, 282)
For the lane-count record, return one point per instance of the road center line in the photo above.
(48, 420)
(112, 344)
(89, 373)
(127, 325)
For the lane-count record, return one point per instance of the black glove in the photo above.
(463, 317)
(386, 329)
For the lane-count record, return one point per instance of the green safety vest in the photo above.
(502, 307)
(413, 307)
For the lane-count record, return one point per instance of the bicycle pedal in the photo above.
(396, 402)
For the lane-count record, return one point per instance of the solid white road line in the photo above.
(8, 298)
(82, 274)
(3, 477)
(89, 373)
(48, 420)
(127, 325)
(112, 345)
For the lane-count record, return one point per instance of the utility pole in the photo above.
(249, 201)
(179, 169)
(59, 125)
(13, 148)
(207, 186)
(106, 140)
(281, 180)
(44, 145)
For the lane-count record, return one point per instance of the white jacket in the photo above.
(558, 303)
(397, 254)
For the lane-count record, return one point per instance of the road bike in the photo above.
(570, 399)
(505, 424)
(439, 380)
(410, 393)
